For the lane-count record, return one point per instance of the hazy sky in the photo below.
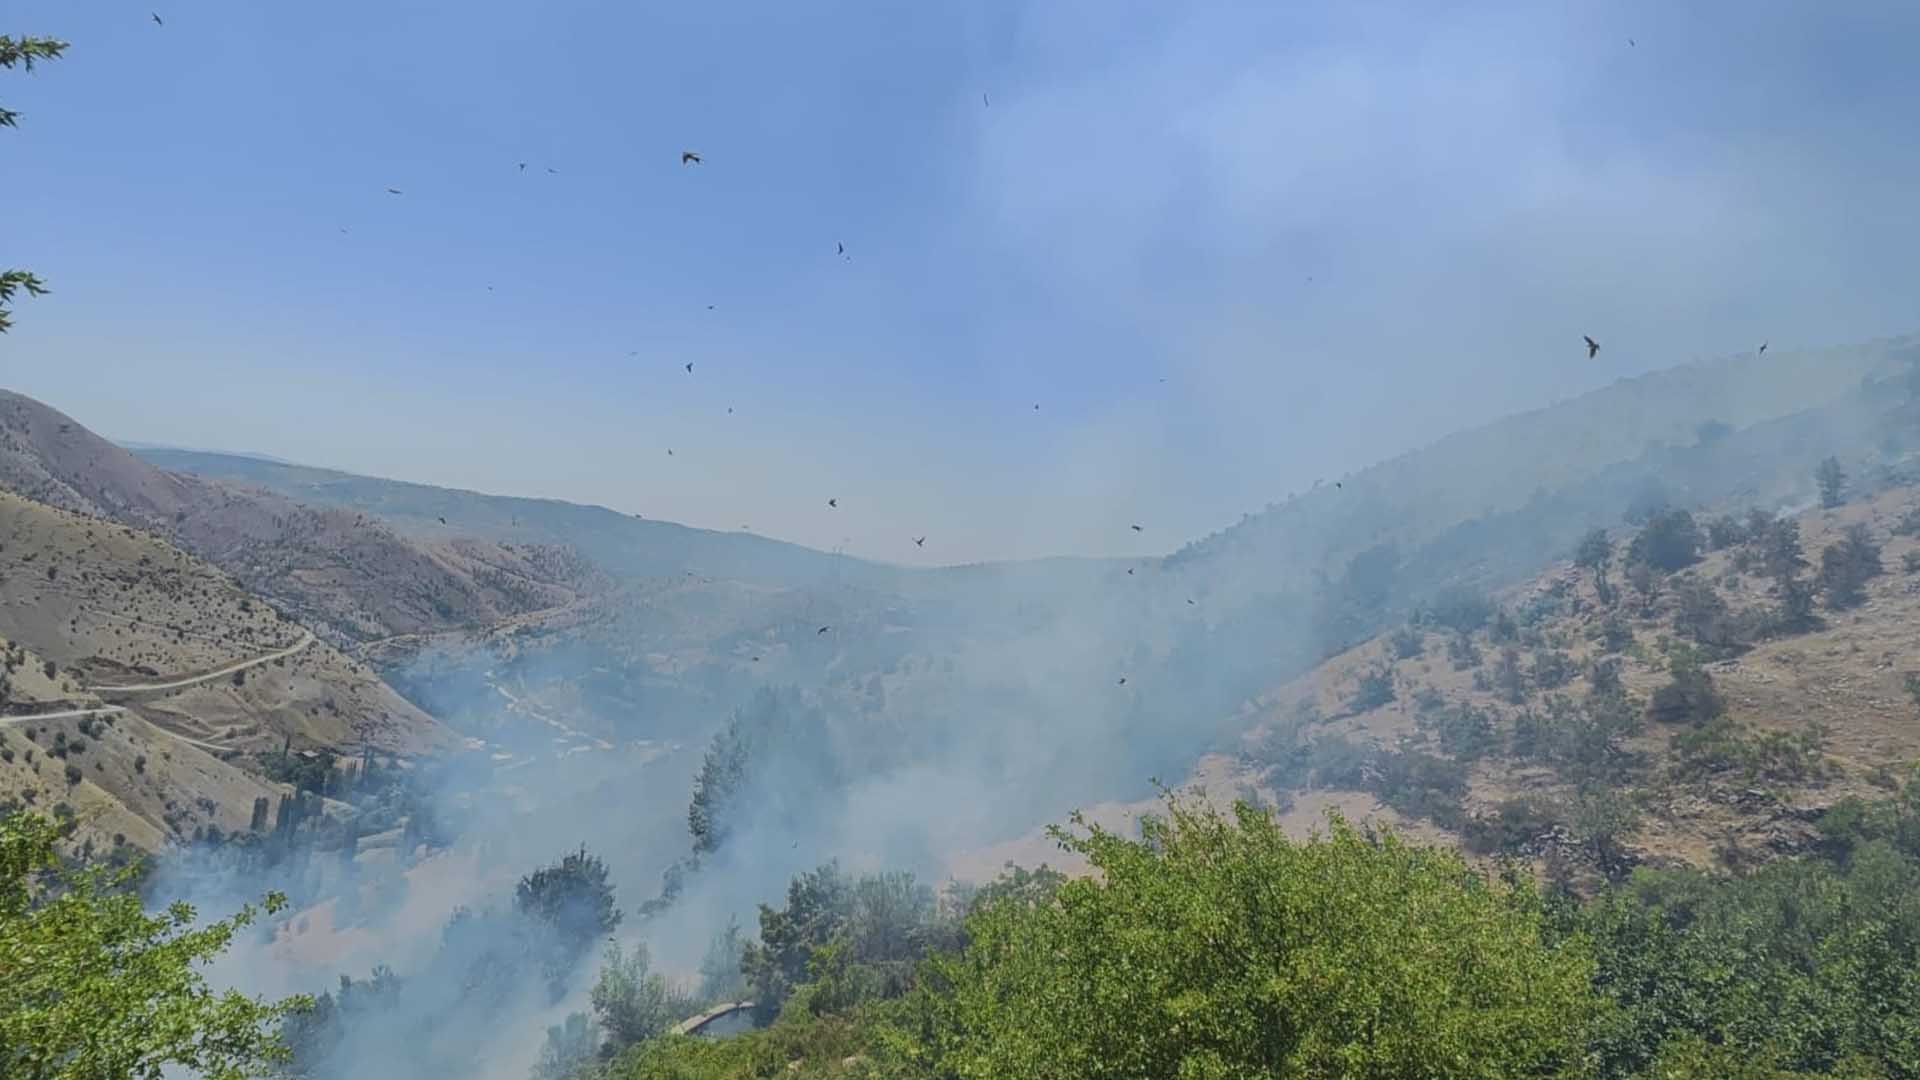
(1225, 248)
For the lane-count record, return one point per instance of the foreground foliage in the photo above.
(94, 988)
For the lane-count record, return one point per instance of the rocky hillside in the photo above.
(1713, 689)
(143, 688)
(349, 576)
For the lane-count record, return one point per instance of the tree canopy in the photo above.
(94, 988)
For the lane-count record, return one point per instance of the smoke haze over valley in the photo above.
(722, 482)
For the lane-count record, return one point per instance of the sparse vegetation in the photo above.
(1832, 481)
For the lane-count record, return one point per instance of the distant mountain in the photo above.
(136, 445)
(350, 577)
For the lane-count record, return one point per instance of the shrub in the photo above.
(1373, 689)
(1508, 679)
(1909, 523)
(1407, 642)
(1460, 609)
(1269, 957)
(1670, 541)
(1910, 562)
(1690, 698)
(1464, 732)
(1846, 567)
(1552, 669)
(1462, 653)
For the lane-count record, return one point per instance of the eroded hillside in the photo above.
(144, 687)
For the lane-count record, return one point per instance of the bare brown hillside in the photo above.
(1665, 717)
(140, 682)
(349, 576)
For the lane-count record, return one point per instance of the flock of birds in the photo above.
(692, 157)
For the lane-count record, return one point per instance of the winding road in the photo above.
(305, 640)
(102, 710)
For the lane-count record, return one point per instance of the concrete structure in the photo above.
(719, 1022)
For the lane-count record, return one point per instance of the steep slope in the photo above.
(1592, 723)
(143, 683)
(349, 577)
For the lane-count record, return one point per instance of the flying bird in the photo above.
(1036, 406)
(1189, 601)
(156, 19)
(822, 630)
(919, 541)
(689, 367)
(443, 521)
(1129, 571)
(553, 172)
(688, 157)
(1137, 528)
(1123, 680)
(1340, 485)
(395, 191)
(669, 451)
(523, 166)
(1763, 348)
(1593, 347)
(840, 248)
(984, 103)
(834, 503)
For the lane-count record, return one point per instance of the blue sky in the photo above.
(1335, 231)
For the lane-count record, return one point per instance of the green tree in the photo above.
(1671, 541)
(92, 987)
(572, 896)
(633, 1002)
(570, 1047)
(22, 52)
(1833, 482)
(1215, 947)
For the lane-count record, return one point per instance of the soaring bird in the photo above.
(553, 172)
(1137, 528)
(984, 103)
(822, 630)
(919, 541)
(443, 521)
(689, 367)
(1129, 571)
(1340, 485)
(1593, 347)
(839, 248)
(1763, 348)
(669, 451)
(1123, 680)
(523, 166)
(688, 157)
(1189, 601)
(395, 191)
(834, 502)
(156, 19)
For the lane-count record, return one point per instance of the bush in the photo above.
(1552, 669)
(1373, 689)
(1460, 609)
(1690, 698)
(1508, 679)
(1909, 523)
(1910, 562)
(1724, 532)
(1670, 541)
(1407, 642)
(1722, 746)
(1847, 566)
(1464, 732)
(1462, 653)
(1268, 958)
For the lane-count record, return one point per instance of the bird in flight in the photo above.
(443, 521)
(1593, 347)
(156, 19)
(689, 367)
(688, 157)
(1036, 406)
(984, 103)
(1340, 485)
(822, 630)
(1123, 680)
(1129, 571)
(669, 451)
(395, 191)
(1189, 601)
(839, 248)
(523, 166)
(919, 541)
(553, 172)
(1137, 528)
(834, 503)
(1763, 348)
